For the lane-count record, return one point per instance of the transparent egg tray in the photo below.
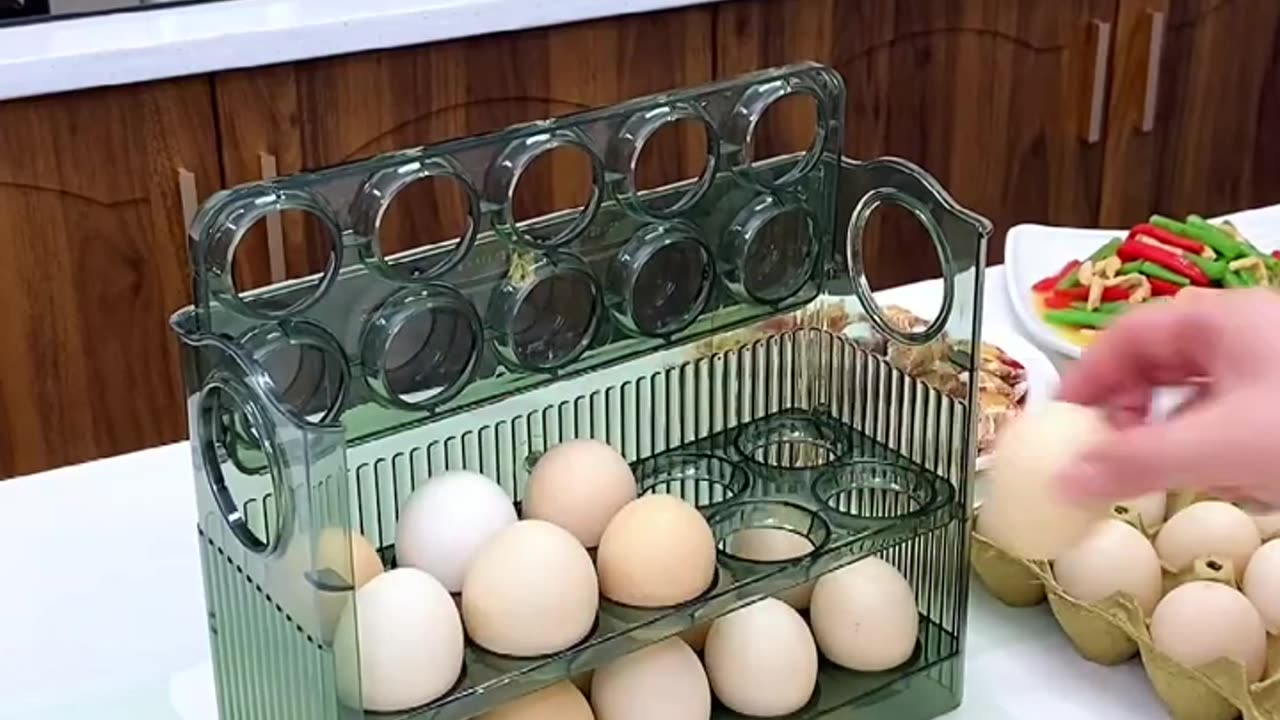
(683, 325)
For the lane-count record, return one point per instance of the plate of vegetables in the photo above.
(1067, 284)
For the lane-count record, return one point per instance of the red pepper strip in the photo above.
(1275, 254)
(1166, 237)
(1163, 287)
(1058, 301)
(1047, 284)
(1111, 294)
(1133, 249)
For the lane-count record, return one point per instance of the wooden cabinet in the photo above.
(315, 114)
(1194, 106)
(988, 95)
(92, 262)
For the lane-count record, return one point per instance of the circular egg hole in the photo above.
(237, 467)
(430, 356)
(675, 154)
(869, 490)
(780, 257)
(433, 212)
(794, 441)
(671, 288)
(787, 127)
(768, 531)
(699, 479)
(1213, 565)
(555, 320)
(558, 179)
(300, 246)
(896, 249)
(308, 380)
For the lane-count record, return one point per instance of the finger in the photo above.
(1142, 350)
(1198, 448)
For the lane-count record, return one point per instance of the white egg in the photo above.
(1262, 584)
(1114, 557)
(447, 521)
(864, 616)
(1025, 513)
(1268, 524)
(531, 591)
(664, 680)
(410, 642)
(1206, 528)
(579, 485)
(774, 544)
(762, 660)
(1201, 621)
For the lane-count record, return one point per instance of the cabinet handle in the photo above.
(1155, 50)
(1100, 48)
(189, 196)
(275, 226)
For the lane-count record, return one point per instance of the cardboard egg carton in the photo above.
(1115, 630)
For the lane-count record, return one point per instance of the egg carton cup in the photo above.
(317, 406)
(1114, 630)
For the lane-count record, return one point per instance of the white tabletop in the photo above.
(102, 608)
(70, 54)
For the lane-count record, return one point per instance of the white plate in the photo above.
(1033, 252)
(1042, 376)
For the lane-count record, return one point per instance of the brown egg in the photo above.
(579, 485)
(663, 680)
(1205, 528)
(657, 551)
(1201, 621)
(561, 701)
(774, 544)
(1114, 557)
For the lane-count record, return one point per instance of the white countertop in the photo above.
(71, 54)
(102, 610)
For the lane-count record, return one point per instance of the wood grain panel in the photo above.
(92, 263)
(331, 111)
(984, 94)
(1213, 148)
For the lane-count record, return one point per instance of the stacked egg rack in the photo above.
(318, 406)
(1184, 581)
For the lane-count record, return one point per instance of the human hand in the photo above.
(1225, 440)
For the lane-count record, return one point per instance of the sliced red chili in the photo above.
(1048, 283)
(1134, 249)
(1058, 301)
(1166, 237)
(1163, 287)
(1275, 254)
(1111, 294)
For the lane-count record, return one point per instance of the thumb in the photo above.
(1186, 451)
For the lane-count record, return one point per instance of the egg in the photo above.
(864, 616)
(663, 680)
(410, 642)
(447, 521)
(762, 660)
(1262, 584)
(531, 591)
(774, 544)
(353, 559)
(579, 485)
(561, 701)
(1268, 524)
(1113, 557)
(657, 551)
(1202, 620)
(1211, 527)
(1149, 508)
(313, 582)
(1025, 513)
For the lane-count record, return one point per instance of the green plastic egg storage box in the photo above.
(669, 323)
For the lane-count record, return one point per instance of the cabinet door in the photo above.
(1195, 104)
(315, 114)
(990, 96)
(93, 261)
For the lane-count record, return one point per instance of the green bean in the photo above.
(1213, 269)
(1072, 279)
(1151, 269)
(1233, 279)
(1079, 318)
(1222, 242)
(1111, 308)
